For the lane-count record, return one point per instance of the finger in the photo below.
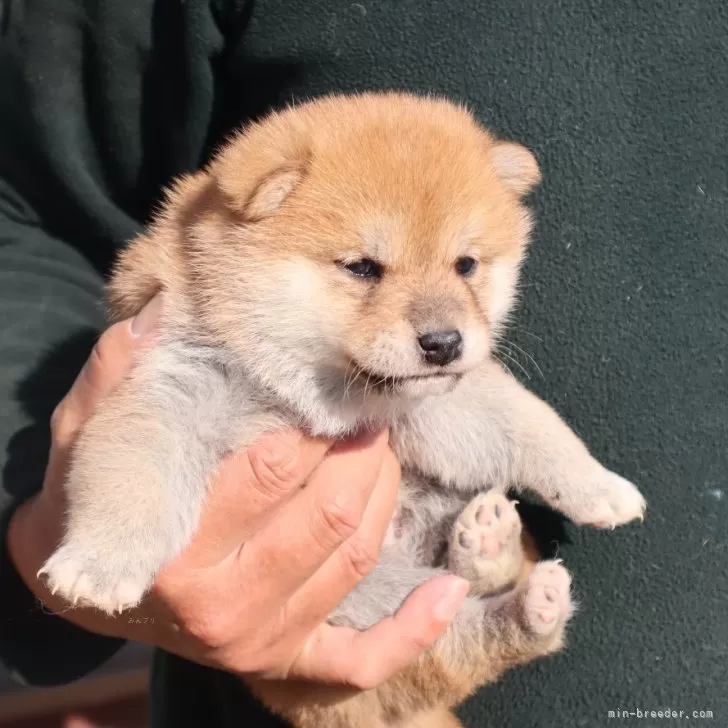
(113, 356)
(364, 660)
(110, 361)
(312, 525)
(251, 484)
(353, 560)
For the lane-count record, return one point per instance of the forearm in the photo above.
(547, 457)
(544, 451)
(490, 431)
(49, 318)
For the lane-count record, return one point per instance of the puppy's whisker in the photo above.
(379, 383)
(366, 384)
(502, 363)
(348, 379)
(357, 374)
(517, 363)
(527, 355)
(525, 331)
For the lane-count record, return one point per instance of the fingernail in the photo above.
(448, 604)
(146, 320)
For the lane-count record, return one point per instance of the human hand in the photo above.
(271, 558)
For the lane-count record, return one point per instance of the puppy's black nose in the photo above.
(441, 347)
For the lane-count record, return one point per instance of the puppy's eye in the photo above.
(466, 266)
(364, 268)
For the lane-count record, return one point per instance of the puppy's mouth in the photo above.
(379, 382)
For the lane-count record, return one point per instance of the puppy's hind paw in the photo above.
(83, 582)
(546, 599)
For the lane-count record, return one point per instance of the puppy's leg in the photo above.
(548, 458)
(138, 478)
(437, 718)
(491, 430)
(485, 544)
(489, 635)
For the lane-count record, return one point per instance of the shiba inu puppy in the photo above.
(344, 264)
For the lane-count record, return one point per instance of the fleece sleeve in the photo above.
(49, 315)
(101, 104)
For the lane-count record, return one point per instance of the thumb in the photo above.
(363, 660)
(110, 361)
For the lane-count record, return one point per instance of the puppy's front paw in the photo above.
(85, 577)
(605, 501)
(485, 545)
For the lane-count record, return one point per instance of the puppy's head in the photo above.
(371, 250)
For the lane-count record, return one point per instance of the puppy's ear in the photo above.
(260, 168)
(271, 192)
(516, 166)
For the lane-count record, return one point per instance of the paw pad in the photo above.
(546, 598)
(486, 542)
